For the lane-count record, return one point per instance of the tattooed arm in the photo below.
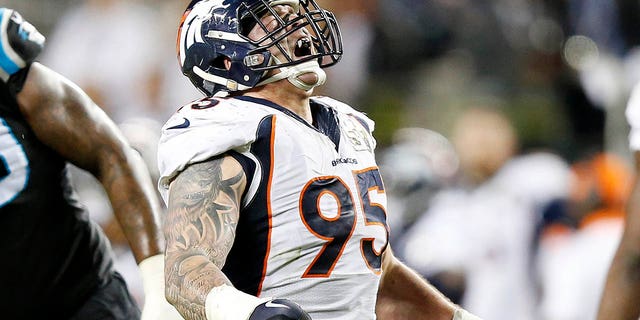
(204, 207)
(200, 228)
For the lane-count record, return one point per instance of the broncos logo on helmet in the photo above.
(212, 31)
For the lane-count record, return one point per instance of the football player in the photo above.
(276, 207)
(621, 296)
(57, 263)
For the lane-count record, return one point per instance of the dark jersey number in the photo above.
(335, 225)
(370, 187)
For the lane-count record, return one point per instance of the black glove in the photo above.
(279, 309)
(21, 43)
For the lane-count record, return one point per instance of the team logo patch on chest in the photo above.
(357, 135)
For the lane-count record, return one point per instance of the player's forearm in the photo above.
(190, 277)
(50, 102)
(135, 204)
(622, 290)
(403, 294)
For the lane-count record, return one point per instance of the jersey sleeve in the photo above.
(198, 132)
(10, 90)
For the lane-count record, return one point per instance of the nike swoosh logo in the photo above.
(183, 125)
(271, 304)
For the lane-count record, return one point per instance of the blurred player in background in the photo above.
(276, 207)
(418, 164)
(58, 264)
(475, 239)
(621, 295)
(575, 251)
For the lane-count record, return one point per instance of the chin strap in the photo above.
(294, 72)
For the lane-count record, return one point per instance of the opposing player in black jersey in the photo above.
(56, 263)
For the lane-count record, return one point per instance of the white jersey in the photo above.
(312, 226)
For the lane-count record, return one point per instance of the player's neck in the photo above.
(287, 96)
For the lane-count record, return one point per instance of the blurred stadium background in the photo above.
(558, 74)
(555, 67)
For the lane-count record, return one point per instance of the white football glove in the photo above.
(156, 306)
(461, 314)
(227, 303)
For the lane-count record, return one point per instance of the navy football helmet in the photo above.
(212, 31)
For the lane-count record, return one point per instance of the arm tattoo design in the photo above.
(200, 229)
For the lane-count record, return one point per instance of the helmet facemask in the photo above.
(320, 48)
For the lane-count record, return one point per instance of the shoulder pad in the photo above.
(204, 129)
(343, 108)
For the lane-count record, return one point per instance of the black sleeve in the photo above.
(10, 90)
(17, 80)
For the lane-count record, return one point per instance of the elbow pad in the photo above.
(20, 43)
